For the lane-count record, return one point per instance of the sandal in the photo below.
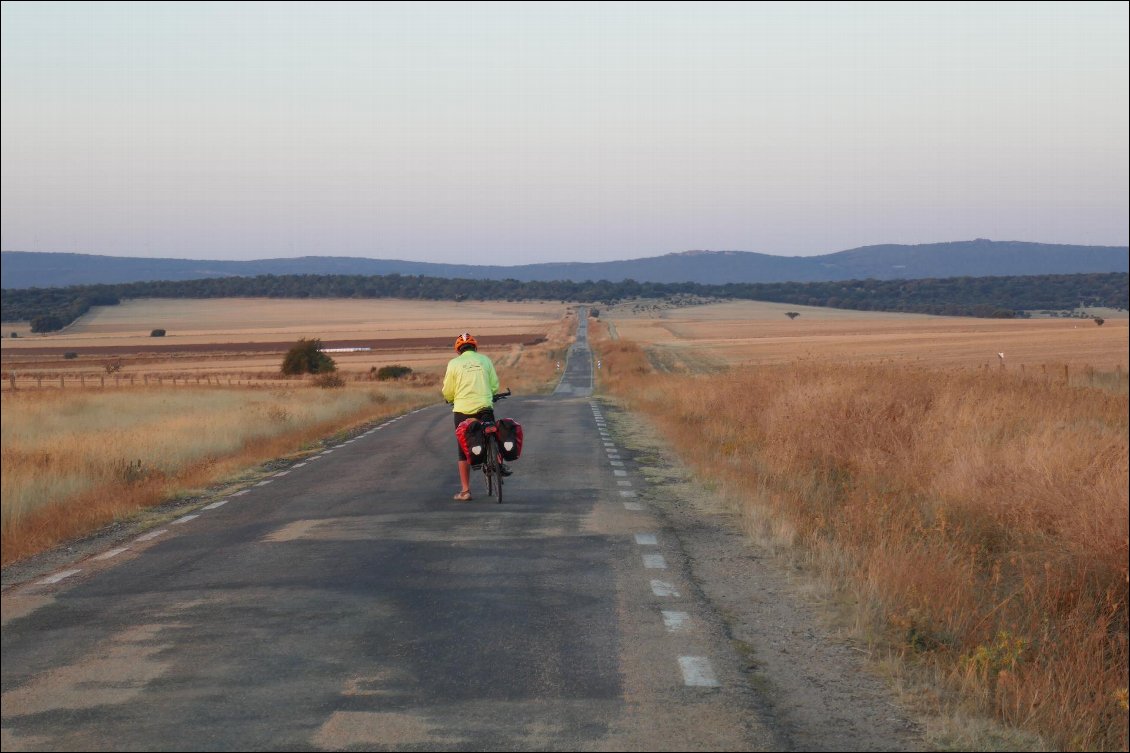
(464, 496)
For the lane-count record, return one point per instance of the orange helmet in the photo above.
(464, 340)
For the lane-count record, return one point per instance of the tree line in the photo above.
(50, 309)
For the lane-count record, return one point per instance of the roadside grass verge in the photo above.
(978, 518)
(72, 461)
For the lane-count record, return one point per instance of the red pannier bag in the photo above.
(469, 433)
(509, 439)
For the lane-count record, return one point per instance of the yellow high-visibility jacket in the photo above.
(470, 382)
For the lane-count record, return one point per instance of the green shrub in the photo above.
(394, 371)
(306, 357)
(70, 355)
(157, 333)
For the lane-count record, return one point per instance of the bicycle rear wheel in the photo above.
(496, 466)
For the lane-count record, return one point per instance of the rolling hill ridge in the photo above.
(976, 258)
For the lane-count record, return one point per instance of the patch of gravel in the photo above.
(822, 690)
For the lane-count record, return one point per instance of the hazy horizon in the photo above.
(525, 133)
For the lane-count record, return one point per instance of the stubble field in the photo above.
(753, 332)
(244, 338)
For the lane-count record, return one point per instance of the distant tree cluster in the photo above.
(50, 309)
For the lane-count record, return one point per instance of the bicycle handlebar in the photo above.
(501, 395)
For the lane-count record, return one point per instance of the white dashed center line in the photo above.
(654, 562)
(646, 539)
(633, 506)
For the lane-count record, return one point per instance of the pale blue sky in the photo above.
(515, 133)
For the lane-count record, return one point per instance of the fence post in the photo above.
(39, 381)
(61, 386)
(82, 380)
(12, 379)
(102, 379)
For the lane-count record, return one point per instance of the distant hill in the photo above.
(977, 258)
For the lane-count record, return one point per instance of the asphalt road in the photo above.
(349, 603)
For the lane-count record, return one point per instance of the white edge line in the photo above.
(675, 621)
(151, 534)
(112, 553)
(697, 672)
(663, 588)
(58, 577)
(214, 505)
(185, 519)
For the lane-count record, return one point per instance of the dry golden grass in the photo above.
(979, 516)
(77, 459)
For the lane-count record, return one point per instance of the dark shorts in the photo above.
(487, 413)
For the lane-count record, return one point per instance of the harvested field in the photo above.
(392, 343)
(234, 320)
(750, 332)
(242, 339)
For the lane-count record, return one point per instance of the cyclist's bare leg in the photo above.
(465, 474)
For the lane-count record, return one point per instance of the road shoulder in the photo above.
(823, 690)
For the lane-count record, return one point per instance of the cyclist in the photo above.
(470, 383)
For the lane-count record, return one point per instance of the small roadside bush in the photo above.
(1100, 321)
(70, 355)
(306, 357)
(394, 371)
(157, 333)
(792, 314)
(329, 380)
